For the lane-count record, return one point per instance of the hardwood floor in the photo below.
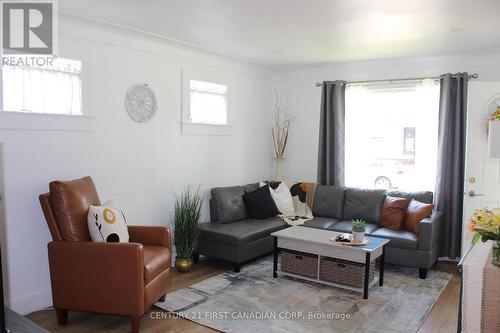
(442, 318)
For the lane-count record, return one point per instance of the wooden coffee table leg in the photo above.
(382, 262)
(367, 275)
(275, 259)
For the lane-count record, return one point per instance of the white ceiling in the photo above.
(285, 33)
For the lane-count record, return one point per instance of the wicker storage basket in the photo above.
(344, 272)
(299, 263)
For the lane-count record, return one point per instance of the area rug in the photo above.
(252, 301)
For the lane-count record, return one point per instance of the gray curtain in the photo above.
(331, 134)
(451, 161)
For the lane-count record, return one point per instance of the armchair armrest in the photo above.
(97, 277)
(429, 230)
(151, 235)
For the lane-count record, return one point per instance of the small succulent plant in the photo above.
(358, 225)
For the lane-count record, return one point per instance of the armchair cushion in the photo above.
(156, 260)
(71, 201)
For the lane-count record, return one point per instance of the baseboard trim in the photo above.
(31, 303)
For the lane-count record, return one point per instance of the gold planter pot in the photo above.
(183, 265)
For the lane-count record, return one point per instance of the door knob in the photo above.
(473, 194)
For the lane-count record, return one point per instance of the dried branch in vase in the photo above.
(281, 125)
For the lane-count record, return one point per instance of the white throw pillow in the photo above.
(107, 225)
(282, 198)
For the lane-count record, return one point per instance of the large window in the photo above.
(391, 135)
(55, 89)
(207, 103)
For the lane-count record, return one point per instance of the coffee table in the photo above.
(317, 242)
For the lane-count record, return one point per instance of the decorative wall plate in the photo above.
(140, 102)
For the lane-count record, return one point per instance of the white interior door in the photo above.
(482, 175)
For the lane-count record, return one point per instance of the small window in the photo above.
(54, 89)
(207, 103)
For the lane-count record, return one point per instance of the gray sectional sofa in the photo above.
(234, 237)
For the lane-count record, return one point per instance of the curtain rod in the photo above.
(471, 76)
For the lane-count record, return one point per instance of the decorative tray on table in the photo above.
(346, 239)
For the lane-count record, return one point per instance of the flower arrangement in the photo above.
(281, 125)
(496, 115)
(485, 224)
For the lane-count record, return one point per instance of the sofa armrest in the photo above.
(97, 277)
(151, 235)
(429, 230)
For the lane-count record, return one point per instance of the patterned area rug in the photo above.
(252, 301)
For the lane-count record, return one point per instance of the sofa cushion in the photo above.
(393, 213)
(320, 222)
(260, 204)
(402, 239)
(250, 187)
(328, 201)
(363, 204)
(156, 260)
(416, 212)
(227, 204)
(241, 232)
(282, 197)
(345, 226)
(422, 196)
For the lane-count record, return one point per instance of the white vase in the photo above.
(358, 236)
(278, 169)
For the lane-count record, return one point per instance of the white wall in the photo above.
(140, 166)
(298, 87)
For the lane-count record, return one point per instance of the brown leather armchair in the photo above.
(114, 278)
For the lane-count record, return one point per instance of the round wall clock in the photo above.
(140, 102)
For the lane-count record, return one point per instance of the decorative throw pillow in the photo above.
(393, 213)
(260, 204)
(282, 198)
(107, 224)
(303, 198)
(416, 212)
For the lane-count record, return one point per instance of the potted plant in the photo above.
(187, 213)
(485, 224)
(358, 230)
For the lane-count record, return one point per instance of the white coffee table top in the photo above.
(320, 236)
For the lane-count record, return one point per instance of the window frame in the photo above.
(22, 120)
(210, 76)
(77, 73)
